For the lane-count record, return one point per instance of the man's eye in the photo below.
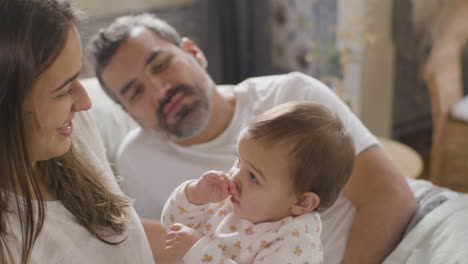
(136, 92)
(159, 67)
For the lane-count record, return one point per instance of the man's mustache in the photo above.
(186, 89)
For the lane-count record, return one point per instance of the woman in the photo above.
(59, 202)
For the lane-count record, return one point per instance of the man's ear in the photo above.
(189, 46)
(305, 203)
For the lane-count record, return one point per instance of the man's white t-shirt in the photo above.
(62, 239)
(152, 166)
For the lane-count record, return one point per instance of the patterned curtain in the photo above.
(247, 38)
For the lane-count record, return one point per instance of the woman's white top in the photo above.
(62, 239)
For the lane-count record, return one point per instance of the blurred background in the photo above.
(371, 52)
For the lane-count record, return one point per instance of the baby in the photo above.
(293, 161)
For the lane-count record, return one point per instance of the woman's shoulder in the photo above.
(63, 240)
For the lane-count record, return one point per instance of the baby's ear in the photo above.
(305, 203)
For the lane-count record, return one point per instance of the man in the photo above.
(189, 126)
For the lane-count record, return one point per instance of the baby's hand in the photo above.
(212, 187)
(180, 239)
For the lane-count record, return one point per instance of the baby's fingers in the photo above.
(175, 227)
(173, 241)
(170, 249)
(212, 174)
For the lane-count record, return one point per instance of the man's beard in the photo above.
(191, 118)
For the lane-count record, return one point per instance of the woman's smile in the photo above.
(67, 130)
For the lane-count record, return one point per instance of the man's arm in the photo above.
(384, 206)
(156, 235)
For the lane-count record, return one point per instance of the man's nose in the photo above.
(157, 87)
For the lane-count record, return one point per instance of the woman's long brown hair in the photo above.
(32, 34)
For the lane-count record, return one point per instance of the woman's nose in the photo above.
(82, 102)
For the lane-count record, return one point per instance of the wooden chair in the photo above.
(443, 75)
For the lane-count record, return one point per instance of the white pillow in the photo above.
(112, 121)
(460, 110)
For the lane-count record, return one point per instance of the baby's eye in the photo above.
(252, 178)
(238, 162)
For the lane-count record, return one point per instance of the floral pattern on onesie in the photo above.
(230, 239)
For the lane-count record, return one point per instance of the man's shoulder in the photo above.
(293, 80)
(284, 76)
(277, 89)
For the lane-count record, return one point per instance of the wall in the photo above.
(412, 114)
(185, 15)
(96, 8)
(347, 44)
(370, 71)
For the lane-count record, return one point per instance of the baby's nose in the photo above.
(233, 188)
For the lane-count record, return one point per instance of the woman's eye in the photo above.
(67, 92)
(252, 178)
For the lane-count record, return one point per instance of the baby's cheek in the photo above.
(255, 208)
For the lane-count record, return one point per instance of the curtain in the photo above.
(235, 38)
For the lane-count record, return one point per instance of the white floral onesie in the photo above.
(230, 239)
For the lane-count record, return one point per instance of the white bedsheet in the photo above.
(440, 237)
